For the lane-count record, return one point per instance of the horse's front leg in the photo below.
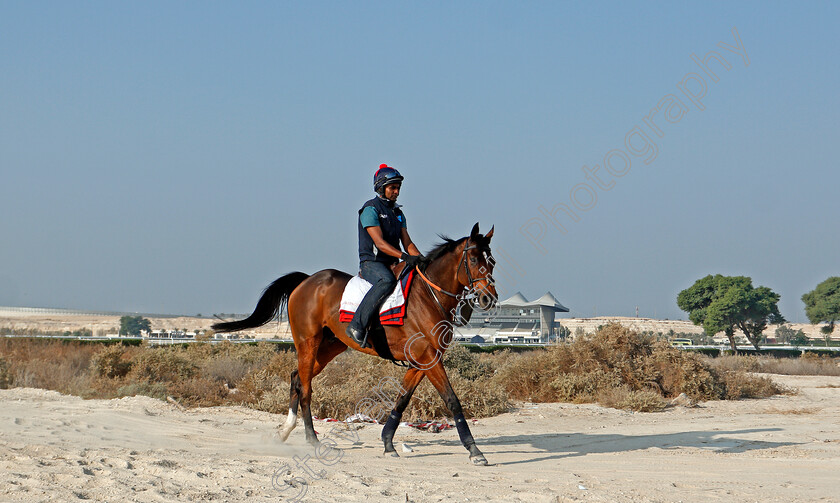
(410, 381)
(437, 375)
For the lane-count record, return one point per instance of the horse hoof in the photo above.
(393, 454)
(478, 460)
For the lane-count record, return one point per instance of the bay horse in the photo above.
(454, 267)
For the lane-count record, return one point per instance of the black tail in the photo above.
(273, 300)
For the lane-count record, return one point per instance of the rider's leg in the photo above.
(380, 276)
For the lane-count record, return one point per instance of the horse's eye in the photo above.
(473, 261)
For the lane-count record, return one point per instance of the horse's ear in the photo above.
(489, 234)
(474, 232)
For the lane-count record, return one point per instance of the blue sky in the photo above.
(177, 157)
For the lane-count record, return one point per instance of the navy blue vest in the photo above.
(390, 222)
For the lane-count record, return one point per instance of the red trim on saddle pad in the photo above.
(393, 316)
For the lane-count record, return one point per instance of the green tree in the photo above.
(822, 305)
(786, 334)
(132, 325)
(725, 303)
(563, 332)
(799, 339)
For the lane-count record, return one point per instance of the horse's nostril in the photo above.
(485, 301)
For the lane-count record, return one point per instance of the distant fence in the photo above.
(134, 341)
(775, 351)
(71, 312)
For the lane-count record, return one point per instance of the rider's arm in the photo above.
(382, 245)
(408, 244)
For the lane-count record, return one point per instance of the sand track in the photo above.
(63, 448)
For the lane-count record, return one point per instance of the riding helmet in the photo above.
(385, 175)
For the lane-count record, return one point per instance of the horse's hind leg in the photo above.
(308, 367)
(412, 378)
(294, 400)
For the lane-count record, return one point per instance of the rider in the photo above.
(381, 229)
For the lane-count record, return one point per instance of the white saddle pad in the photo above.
(355, 291)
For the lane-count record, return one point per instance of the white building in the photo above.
(515, 321)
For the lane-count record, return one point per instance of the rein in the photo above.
(429, 283)
(433, 286)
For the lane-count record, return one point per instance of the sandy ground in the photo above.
(62, 448)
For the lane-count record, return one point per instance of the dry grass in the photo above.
(625, 398)
(807, 364)
(53, 365)
(354, 376)
(5, 375)
(615, 367)
(791, 412)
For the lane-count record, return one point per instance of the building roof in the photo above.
(547, 300)
(550, 300)
(516, 300)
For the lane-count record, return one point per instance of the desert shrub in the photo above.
(231, 363)
(619, 367)
(111, 362)
(226, 369)
(684, 372)
(62, 376)
(349, 379)
(161, 365)
(5, 375)
(46, 364)
(144, 388)
(730, 362)
(260, 353)
(623, 397)
(198, 392)
(479, 398)
(264, 388)
(737, 385)
(469, 365)
(582, 388)
(577, 372)
(528, 376)
(354, 377)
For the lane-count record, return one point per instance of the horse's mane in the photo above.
(444, 247)
(447, 245)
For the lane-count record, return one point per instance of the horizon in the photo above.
(98, 312)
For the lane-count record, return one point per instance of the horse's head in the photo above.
(478, 268)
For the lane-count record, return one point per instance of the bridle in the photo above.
(433, 287)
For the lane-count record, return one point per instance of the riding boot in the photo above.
(357, 334)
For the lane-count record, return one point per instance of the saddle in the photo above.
(393, 309)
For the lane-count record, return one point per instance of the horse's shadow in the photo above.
(567, 445)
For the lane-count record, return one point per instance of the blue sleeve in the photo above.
(369, 217)
(401, 217)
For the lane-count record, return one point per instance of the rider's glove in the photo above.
(413, 260)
